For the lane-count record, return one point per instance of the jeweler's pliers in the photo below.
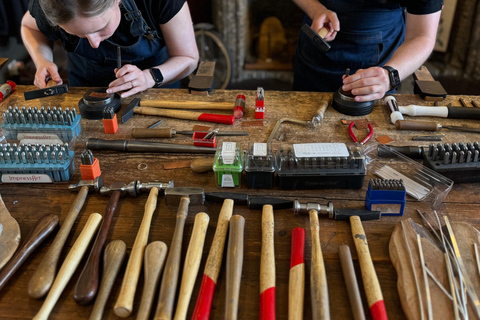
(354, 138)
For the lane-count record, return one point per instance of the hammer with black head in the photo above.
(50, 90)
(183, 197)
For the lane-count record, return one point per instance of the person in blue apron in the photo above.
(381, 41)
(155, 38)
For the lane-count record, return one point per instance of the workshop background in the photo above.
(256, 41)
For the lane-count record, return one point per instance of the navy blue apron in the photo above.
(369, 35)
(140, 45)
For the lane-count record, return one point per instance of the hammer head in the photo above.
(93, 185)
(306, 207)
(316, 38)
(173, 195)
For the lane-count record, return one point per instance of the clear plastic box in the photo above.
(228, 165)
(260, 166)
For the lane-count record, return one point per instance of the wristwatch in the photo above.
(394, 77)
(157, 77)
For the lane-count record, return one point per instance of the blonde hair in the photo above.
(63, 11)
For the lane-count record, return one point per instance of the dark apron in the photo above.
(140, 46)
(369, 35)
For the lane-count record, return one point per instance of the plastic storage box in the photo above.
(320, 166)
(260, 166)
(228, 165)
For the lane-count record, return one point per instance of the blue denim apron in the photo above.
(369, 35)
(140, 45)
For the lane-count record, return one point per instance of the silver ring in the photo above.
(131, 82)
(142, 166)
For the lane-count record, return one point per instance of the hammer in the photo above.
(296, 282)
(50, 90)
(182, 196)
(187, 115)
(267, 266)
(44, 276)
(234, 266)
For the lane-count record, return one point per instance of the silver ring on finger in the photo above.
(131, 82)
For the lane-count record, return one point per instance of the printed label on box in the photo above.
(308, 150)
(41, 141)
(228, 152)
(260, 149)
(227, 181)
(37, 136)
(26, 178)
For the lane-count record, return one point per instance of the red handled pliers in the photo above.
(354, 138)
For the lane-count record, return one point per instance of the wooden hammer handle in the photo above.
(191, 105)
(296, 283)
(69, 265)
(40, 231)
(124, 306)
(214, 263)
(44, 276)
(234, 266)
(192, 264)
(267, 266)
(112, 261)
(369, 276)
(417, 125)
(87, 283)
(155, 254)
(318, 277)
(187, 115)
(168, 286)
(351, 282)
(153, 133)
(201, 165)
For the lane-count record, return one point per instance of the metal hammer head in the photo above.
(93, 185)
(173, 195)
(135, 187)
(305, 207)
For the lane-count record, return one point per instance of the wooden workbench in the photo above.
(28, 202)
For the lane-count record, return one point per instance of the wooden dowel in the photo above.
(351, 282)
(296, 284)
(234, 266)
(267, 266)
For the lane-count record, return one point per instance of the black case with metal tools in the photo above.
(322, 168)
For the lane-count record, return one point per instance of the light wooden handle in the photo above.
(234, 266)
(267, 266)
(69, 265)
(351, 282)
(152, 133)
(369, 276)
(124, 305)
(323, 32)
(44, 276)
(192, 105)
(168, 286)
(40, 231)
(177, 114)
(51, 83)
(202, 165)
(192, 263)
(87, 284)
(214, 263)
(417, 125)
(296, 281)
(318, 277)
(112, 261)
(155, 254)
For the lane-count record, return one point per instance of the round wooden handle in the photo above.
(40, 231)
(124, 305)
(416, 125)
(155, 254)
(351, 282)
(318, 277)
(234, 266)
(202, 165)
(112, 261)
(267, 266)
(214, 263)
(192, 105)
(44, 275)
(153, 133)
(69, 265)
(323, 32)
(296, 282)
(177, 114)
(51, 83)
(168, 286)
(192, 263)
(87, 284)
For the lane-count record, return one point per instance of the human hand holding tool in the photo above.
(234, 266)
(296, 283)
(46, 71)
(354, 138)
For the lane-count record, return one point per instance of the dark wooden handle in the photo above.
(41, 230)
(153, 133)
(234, 266)
(87, 284)
(202, 165)
(416, 125)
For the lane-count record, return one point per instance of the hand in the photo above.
(367, 85)
(46, 71)
(131, 78)
(328, 19)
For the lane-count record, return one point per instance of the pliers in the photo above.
(354, 138)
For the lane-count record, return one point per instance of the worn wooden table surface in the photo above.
(28, 202)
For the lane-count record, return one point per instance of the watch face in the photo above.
(157, 77)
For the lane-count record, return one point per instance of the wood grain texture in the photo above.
(267, 258)
(191, 105)
(351, 282)
(234, 266)
(124, 305)
(9, 234)
(69, 266)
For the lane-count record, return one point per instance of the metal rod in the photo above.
(144, 146)
(425, 279)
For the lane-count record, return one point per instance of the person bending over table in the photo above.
(381, 41)
(156, 41)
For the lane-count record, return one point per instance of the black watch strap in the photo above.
(393, 76)
(157, 77)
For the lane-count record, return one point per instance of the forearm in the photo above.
(38, 46)
(177, 67)
(310, 7)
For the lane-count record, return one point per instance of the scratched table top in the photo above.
(28, 202)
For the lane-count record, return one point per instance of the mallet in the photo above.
(187, 115)
(234, 266)
(267, 266)
(213, 264)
